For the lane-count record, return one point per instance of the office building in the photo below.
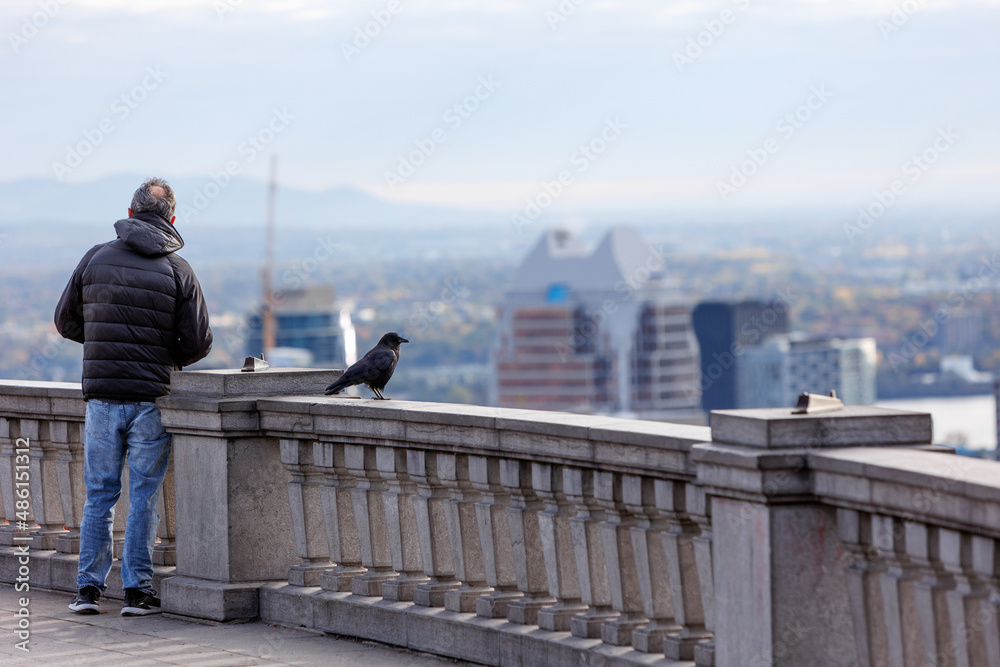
(775, 373)
(962, 332)
(596, 332)
(724, 330)
(309, 319)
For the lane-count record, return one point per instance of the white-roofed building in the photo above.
(600, 331)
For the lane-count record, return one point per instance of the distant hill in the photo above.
(200, 200)
(44, 223)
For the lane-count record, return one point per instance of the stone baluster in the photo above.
(120, 516)
(307, 514)
(432, 529)
(862, 577)
(699, 508)
(588, 548)
(620, 558)
(526, 543)
(463, 533)
(986, 565)
(165, 550)
(679, 546)
(338, 513)
(682, 571)
(898, 603)
(369, 514)
(557, 549)
(930, 593)
(4, 440)
(3, 512)
(11, 533)
(404, 545)
(652, 561)
(45, 500)
(494, 536)
(68, 443)
(964, 600)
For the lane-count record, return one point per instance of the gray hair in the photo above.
(143, 200)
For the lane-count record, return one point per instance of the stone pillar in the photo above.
(682, 571)
(369, 514)
(67, 440)
(902, 626)
(588, 549)
(620, 559)
(432, 529)
(699, 507)
(930, 593)
(964, 600)
(4, 439)
(463, 534)
(404, 545)
(12, 533)
(557, 549)
(863, 575)
(494, 536)
(307, 514)
(338, 516)
(767, 522)
(120, 516)
(654, 555)
(234, 522)
(165, 550)
(526, 543)
(986, 565)
(45, 501)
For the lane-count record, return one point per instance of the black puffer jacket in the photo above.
(138, 310)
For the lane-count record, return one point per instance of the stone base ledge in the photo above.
(434, 630)
(57, 571)
(211, 600)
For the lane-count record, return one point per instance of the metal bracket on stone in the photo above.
(253, 364)
(810, 404)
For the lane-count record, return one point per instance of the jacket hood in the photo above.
(149, 234)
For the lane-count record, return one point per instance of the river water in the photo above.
(973, 416)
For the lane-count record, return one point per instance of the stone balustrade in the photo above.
(48, 417)
(518, 537)
(483, 532)
(921, 534)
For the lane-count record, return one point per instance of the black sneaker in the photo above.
(87, 601)
(140, 603)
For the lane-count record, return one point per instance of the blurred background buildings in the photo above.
(602, 331)
(461, 173)
(312, 330)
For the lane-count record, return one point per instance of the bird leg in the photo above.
(378, 394)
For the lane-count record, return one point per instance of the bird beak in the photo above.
(403, 340)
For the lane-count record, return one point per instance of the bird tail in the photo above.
(336, 387)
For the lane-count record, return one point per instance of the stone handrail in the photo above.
(504, 536)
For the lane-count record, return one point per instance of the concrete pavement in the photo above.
(60, 638)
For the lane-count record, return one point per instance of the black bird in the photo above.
(374, 369)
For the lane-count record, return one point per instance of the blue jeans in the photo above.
(115, 433)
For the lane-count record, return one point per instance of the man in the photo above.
(139, 311)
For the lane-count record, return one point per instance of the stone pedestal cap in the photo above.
(778, 428)
(233, 383)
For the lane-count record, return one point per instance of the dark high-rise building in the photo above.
(308, 320)
(723, 329)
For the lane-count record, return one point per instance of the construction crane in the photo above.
(269, 338)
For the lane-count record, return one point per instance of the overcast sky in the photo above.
(880, 81)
